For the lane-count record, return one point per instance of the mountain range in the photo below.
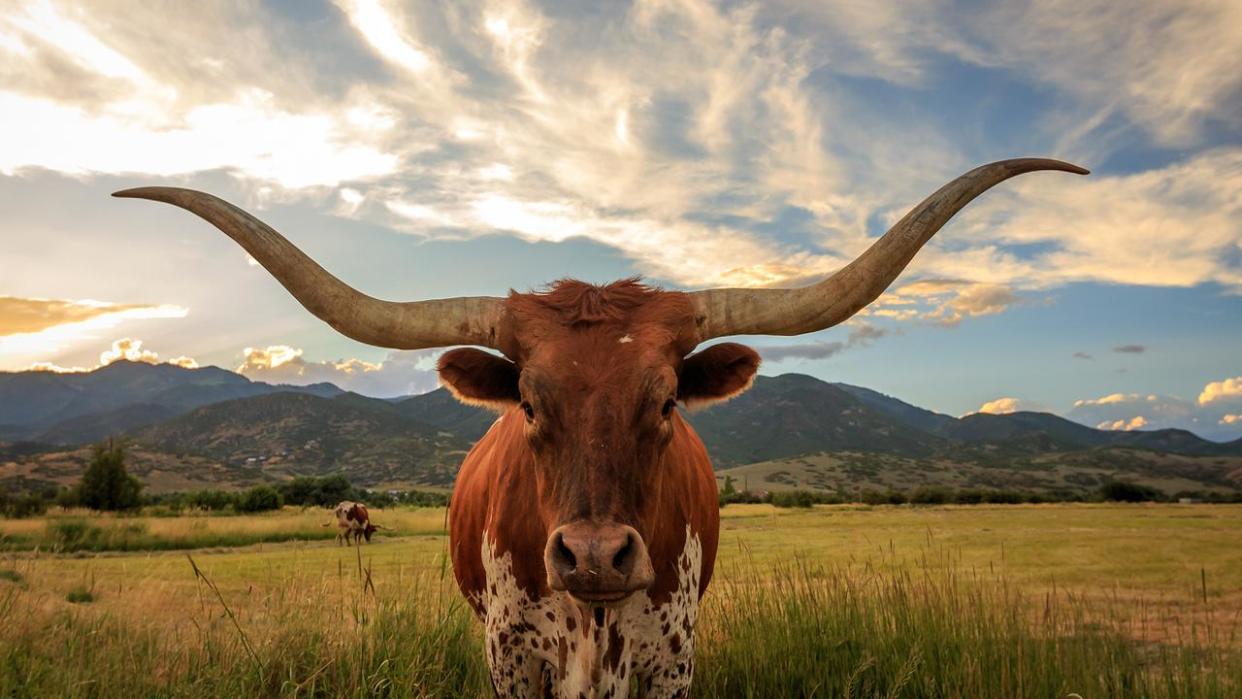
(212, 427)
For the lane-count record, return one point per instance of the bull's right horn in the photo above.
(720, 312)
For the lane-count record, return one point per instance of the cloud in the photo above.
(1177, 225)
(125, 349)
(1208, 415)
(32, 329)
(25, 315)
(504, 117)
(1130, 349)
(861, 335)
(1216, 391)
(944, 302)
(1137, 422)
(1003, 406)
(1230, 420)
(400, 373)
(1082, 355)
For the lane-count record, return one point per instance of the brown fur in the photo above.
(596, 367)
(598, 449)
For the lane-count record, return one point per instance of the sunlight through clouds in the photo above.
(32, 329)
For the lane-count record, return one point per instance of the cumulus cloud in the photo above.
(861, 335)
(1003, 406)
(400, 373)
(1137, 422)
(1209, 415)
(1229, 389)
(1130, 349)
(127, 349)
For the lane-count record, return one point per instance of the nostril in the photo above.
(622, 560)
(563, 557)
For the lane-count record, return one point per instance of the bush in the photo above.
(80, 595)
(799, 498)
(260, 498)
(213, 500)
(1122, 491)
(929, 496)
(74, 534)
(106, 485)
(875, 497)
(324, 492)
(23, 506)
(11, 575)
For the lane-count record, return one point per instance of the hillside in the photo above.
(73, 408)
(787, 430)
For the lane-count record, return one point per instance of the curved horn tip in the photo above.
(1029, 164)
(147, 192)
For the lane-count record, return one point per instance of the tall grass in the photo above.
(800, 631)
(808, 630)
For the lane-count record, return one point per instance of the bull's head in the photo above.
(597, 372)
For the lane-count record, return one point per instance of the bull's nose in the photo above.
(597, 562)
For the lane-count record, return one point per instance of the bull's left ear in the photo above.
(478, 378)
(718, 373)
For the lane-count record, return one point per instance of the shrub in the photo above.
(11, 575)
(969, 496)
(1003, 497)
(23, 506)
(213, 500)
(794, 498)
(260, 498)
(928, 495)
(875, 497)
(1122, 491)
(74, 534)
(80, 595)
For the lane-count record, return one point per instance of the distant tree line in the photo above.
(107, 486)
(1114, 491)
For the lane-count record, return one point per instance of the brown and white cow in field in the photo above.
(584, 524)
(353, 520)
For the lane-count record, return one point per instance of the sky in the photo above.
(422, 150)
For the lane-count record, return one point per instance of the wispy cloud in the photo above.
(1130, 349)
(861, 335)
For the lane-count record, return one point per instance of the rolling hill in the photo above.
(787, 430)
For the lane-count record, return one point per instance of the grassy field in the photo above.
(983, 601)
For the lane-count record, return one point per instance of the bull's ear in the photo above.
(478, 378)
(718, 373)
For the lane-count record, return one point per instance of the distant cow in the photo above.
(352, 519)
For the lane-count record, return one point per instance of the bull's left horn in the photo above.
(411, 325)
(722, 312)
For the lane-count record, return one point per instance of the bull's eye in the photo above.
(668, 407)
(529, 410)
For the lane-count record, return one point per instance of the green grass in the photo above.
(11, 575)
(93, 532)
(1029, 601)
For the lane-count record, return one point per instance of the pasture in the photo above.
(982, 601)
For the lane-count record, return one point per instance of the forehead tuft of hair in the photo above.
(580, 303)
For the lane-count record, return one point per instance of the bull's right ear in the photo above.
(478, 378)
